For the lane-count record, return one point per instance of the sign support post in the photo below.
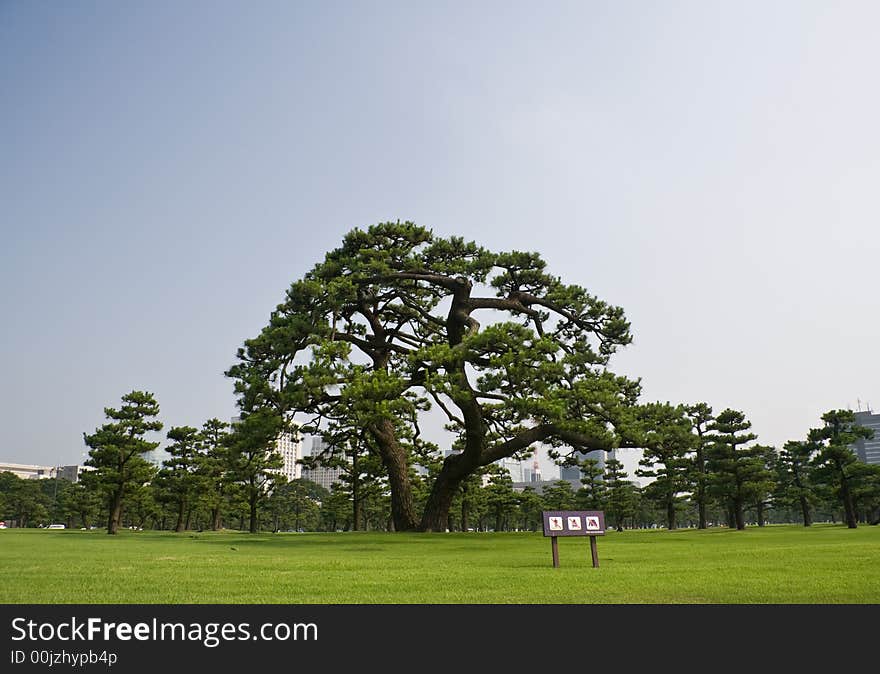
(573, 523)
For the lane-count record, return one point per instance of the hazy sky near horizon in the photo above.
(167, 169)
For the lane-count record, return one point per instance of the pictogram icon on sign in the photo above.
(574, 523)
(592, 523)
(555, 523)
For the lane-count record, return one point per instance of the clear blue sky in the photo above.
(168, 168)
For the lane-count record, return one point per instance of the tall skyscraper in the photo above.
(322, 475)
(573, 473)
(868, 450)
(289, 448)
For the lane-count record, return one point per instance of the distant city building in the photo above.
(512, 466)
(573, 474)
(318, 446)
(629, 457)
(72, 473)
(570, 473)
(322, 475)
(27, 471)
(289, 447)
(868, 450)
(34, 472)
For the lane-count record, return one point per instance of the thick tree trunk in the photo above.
(436, 514)
(394, 459)
(181, 507)
(670, 515)
(253, 498)
(115, 513)
(846, 496)
(805, 511)
(759, 511)
(253, 517)
(456, 467)
(464, 508)
(740, 519)
(215, 518)
(355, 493)
(701, 486)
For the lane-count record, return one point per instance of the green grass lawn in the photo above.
(777, 564)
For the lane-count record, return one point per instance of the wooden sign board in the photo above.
(574, 523)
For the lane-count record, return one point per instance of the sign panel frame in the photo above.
(557, 522)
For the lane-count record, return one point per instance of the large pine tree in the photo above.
(668, 441)
(620, 493)
(701, 416)
(254, 460)
(736, 471)
(214, 467)
(178, 480)
(118, 449)
(834, 460)
(396, 318)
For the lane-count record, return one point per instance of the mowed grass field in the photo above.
(776, 564)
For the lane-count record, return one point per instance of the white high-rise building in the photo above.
(325, 476)
(289, 447)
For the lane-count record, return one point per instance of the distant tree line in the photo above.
(706, 470)
(398, 321)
